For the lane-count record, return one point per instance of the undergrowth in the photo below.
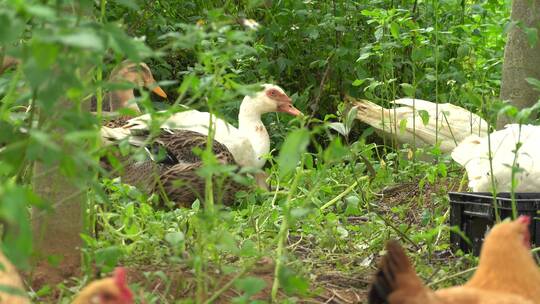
(338, 191)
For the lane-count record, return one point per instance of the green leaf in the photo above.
(424, 115)
(10, 28)
(250, 285)
(378, 34)
(249, 249)
(335, 151)
(508, 110)
(175, 239)
(293, 283)
(358, 82)
(394, 30)
(463, 50)
(45, 54)
(532, 35)
(125, 45)
(339, 127)
(407, 89)
(227, 242)
(419, 53)
(351, 118)
(83, 39)
(363, 56)
(535, 82)
(41, 11)
(297, 213)
(108, 256)
(403, 125)
(131, 4)
(292, 149)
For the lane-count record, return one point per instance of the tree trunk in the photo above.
(520, 60)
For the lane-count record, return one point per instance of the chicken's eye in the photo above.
(273, 93)
(107, 297)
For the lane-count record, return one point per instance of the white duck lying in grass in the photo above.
(250, 141)
(410, 127)
(473, 154)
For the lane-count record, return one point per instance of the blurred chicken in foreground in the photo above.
(507, 273)
(10, 280)
(112, 290)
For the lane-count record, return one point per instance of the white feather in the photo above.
(406, 126)
(473, 154)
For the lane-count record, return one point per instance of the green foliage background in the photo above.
(318, 51)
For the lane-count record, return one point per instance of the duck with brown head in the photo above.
(137, 73)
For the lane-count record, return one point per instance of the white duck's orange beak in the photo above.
(289, 109)
(158, 90)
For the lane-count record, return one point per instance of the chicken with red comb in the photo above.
(507, 273)
(112, 290)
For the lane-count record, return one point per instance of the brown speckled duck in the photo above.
(171, 167)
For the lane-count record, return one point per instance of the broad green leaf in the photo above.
(532, 35)
(227, 242)
(535, 82)
(351, 118)
(10, 28)
(297, 213)
(41, 11)
(175, 239)
(125, 45)
(394, 30)
(108, 256)
(403, 125)
(509, 110)
(292, 282)
(335, 151)
(463, 50)
(250, 285)
(358, 82)
(83, 39)
(339, 127)
(249, 249)
(292, 149)
(131, 4)
(363, 56)
(424, 115)
(408, 89)
(378, 34)
(45, 54)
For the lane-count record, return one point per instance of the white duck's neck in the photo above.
(252, 127)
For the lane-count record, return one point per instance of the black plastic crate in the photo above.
(474, 214)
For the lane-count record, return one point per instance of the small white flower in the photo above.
(294, 27)
(251, 24)
(141, 38)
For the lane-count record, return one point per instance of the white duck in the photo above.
(454, 123)
(472, 153)
(248, 143)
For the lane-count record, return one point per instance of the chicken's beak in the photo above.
(159, 91)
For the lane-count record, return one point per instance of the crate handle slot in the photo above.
(478, 214)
